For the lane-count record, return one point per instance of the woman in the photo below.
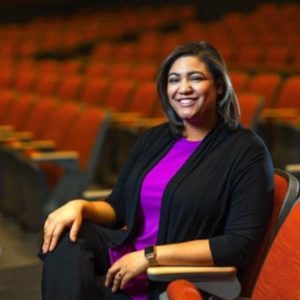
(196, 190)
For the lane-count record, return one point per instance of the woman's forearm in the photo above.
(99, 212)
(186, 253)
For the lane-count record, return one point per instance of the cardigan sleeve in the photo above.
(250, 207)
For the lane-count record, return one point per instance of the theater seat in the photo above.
(222, 281)
(279, 276)
(71, 168)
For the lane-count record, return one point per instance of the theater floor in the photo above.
(20, 269)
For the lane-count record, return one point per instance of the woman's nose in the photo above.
(185, 87)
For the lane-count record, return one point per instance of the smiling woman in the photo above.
(196, 74)
(192, 93)
(180, 201)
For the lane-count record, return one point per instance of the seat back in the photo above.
(183, 290)
(86, 137)
(239, 80)
(60, 121)
(143, 99)
(70, 87)
(47, 84)
(18, 112)
(7, 98)
(289, 96)
(285, 194)
(39, 115)
(250, 104)
(279, 277)
(265, 84)
(118, 95)
(93, 91)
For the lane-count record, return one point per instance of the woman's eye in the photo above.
(196, 78)
(173, 80)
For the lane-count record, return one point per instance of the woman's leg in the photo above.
(75, 271)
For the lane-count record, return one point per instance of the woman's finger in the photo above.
(48, 229)
(110, 275)
(125, 278)
(58, 229)
(117, 282)
(75, 229)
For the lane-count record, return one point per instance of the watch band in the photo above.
(150, 254)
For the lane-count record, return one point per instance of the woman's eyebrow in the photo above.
(188, 73)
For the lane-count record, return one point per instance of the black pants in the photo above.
(76, 271)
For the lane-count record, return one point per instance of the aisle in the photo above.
(20, 269)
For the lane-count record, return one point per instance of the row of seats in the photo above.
(25, 76)
(273, 47)
(54, 163)
(67, 33)
(125, 94)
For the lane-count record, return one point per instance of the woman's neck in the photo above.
(197, 132)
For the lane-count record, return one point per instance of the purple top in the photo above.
(152, 191)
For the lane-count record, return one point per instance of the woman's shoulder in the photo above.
(248, 138)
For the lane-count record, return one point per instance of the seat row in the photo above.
(53, 161)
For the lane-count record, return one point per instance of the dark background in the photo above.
(24, 10)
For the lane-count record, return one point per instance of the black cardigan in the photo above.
(224, 193)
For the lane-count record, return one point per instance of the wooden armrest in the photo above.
(293, 168)
(144, 123)
(54, 156)
(275, 113)
(193, 273)
(125, 117)
(41, 144)
(96, 194)
(6, 128)
(218, 281)
(15, 135)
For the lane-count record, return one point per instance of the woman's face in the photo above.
(191, 90)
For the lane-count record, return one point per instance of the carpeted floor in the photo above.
(20, 269)
(20, 283)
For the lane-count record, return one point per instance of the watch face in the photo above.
(149, 251)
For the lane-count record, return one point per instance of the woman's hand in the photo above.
(67, 216)
(126, 268)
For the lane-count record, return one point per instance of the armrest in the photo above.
(15, 135)
(125, 117)
(193, 273)
(144, 123)
(6, 128)
(218, 281)
(96, 194)
(279, 113)
(293, 168)
(54, 156)
(41, 144)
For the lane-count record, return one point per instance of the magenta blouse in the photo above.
(152, 191)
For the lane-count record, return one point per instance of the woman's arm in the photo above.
(71, 215)
(187, 253)
(135, 263)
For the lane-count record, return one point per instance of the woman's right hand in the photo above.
(67, 216)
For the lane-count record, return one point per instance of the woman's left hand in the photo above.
(126, 268)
